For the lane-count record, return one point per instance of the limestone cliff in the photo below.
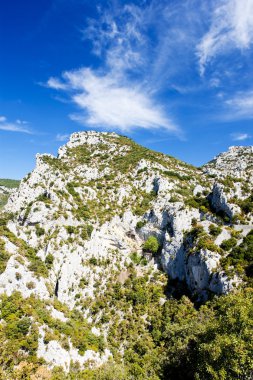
(79, 223)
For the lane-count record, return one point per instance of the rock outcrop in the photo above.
(81, 219)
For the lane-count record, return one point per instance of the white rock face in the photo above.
(220, 203)
(32, 186)
(17, 277)
(173, 252)
(236, 162)
(198, 189)
(200, 267)
(6, 190)
(55, 355)
(81, 138)
(221, 284)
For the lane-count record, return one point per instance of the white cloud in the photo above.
(231, 27)
(117, 36)
(240, 136)
(55, 84)
(241, 105)
(109, 104)
(62, 137)
(138, 56)
(17, 126)
(18, 121)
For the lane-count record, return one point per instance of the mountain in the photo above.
(98, 243)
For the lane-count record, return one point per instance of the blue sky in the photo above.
(175, 75)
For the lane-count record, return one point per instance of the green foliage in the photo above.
(40, 231)
(144, 202)
(86, 231)
(173, 341)
(36, 264)
(49, 260)
(4, 256)
(175, 174)
(71, 229)
(151, 245)
(140, 224)
(241, 257)
(197, 239)
(3, 200)
(93, 261)
(20, 319)
(199, 202)
(205, 242)
(10, 183)
(44, 198)
(247, 204)
(228, 244)
(214, 343)
(215, 230)
(138, 259)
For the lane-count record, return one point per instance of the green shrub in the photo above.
(70, 229)
(137, 259)
(247, 204)
(4, 256)
(40, 231)
(140, 224)
(30, 285)
(205, 242)
(49, 260)
(228, 244)
(93, 261)
(151, 245)
(214, 230)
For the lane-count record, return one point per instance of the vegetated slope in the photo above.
(6, 188)
(9, 183)
(94, 246)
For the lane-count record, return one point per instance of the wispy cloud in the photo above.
(151, 56)
(241, 105)
(17, 126)
(108, 104)
(62, 137)
(231, 28)
(56, 84)
(240, 136)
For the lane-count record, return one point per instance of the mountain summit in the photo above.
(103, 235)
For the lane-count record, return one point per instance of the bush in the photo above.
(93, 261)
(242, 256)
(30, 285)
(214, 230)
(140, 224)
(228, 244)
(247, 204)
(205, 242)
(70, 229)
(151, 244)
(49, 260)
(39, 231)
(137, 259)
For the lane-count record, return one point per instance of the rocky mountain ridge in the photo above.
(107, 210)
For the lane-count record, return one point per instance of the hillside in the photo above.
(7, 186)
(108, 252)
